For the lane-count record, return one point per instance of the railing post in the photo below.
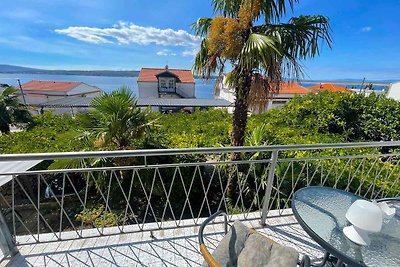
(268, 190)
(7, 244)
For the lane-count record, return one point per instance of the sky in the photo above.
(131, 34)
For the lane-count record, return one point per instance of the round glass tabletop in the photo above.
(321, 212)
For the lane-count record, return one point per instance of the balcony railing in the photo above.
(159, 189)
(167, 89)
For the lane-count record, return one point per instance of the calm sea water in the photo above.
(204, 89)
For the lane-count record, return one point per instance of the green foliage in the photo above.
(11, 112)
(317, 118)
(115, 120)
(98, 217)
(48, 133)
(351, 116)
(206, 128)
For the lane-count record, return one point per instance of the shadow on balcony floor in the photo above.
(172, 247)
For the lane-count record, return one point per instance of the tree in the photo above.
(261, 56)
(116, 120)
(11, 111)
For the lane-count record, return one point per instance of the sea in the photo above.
(204, 89)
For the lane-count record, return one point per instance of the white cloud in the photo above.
(191, 52)
(165, 52)
(366, 29)
(130, 33)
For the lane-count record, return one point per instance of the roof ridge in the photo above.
(166, 69)
(55, 81)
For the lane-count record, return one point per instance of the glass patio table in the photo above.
(321, 212)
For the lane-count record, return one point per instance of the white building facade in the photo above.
(166, 83)
(170, 83)
(38, 92)
(394, 91)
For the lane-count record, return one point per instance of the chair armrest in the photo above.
(210, 219)
(203, 249)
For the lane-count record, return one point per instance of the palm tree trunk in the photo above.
(238, 132)
(4, 128)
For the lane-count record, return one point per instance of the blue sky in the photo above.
(130, 34)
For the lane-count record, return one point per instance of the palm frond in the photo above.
(301, 36)
(271, 10)
(116, 120)
(227, 8)
(206, 65)
(202, 26)
(259, 51)
(8, 91)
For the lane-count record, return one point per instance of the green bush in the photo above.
(48, 133)
(98, 217)
(351, 116)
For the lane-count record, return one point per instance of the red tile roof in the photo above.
(328, 87)
(36, 85)
(292, 88)
(149, 75)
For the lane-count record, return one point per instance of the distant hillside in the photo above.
(116, 73)
(17, 69)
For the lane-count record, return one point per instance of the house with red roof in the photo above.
(287, 91)
(330, 87)
(166, 83)
(38, 92)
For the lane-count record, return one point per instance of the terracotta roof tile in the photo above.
(149, 75)
(36, 85)
(292, 88)
(328, 87)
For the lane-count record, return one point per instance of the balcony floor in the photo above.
(171, 247)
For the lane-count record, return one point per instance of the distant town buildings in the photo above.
(38, 92)
(330, 87)
(287, 91)
(168, 90)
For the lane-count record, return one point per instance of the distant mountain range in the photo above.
(26, 70)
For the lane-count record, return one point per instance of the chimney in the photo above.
(166, 67)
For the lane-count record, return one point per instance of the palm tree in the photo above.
(260, 56)
(11, 111)
(116, 120)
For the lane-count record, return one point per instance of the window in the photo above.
(163, 84)
(171, 84)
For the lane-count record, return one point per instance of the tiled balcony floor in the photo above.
(172, 247)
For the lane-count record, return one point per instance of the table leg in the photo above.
(323, 261)
(339, 263)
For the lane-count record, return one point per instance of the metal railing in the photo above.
(130, 191)
(167, 89)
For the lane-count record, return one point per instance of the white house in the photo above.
(166, 83)
(394, 91)
(287, 91)
(38, 92)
